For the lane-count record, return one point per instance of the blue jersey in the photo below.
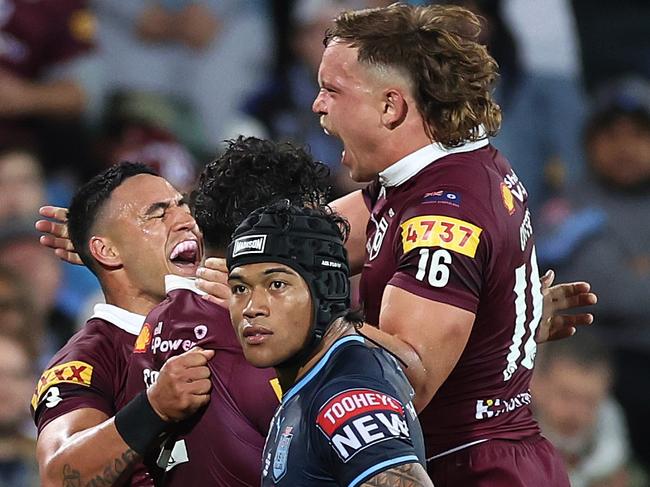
(350, 418)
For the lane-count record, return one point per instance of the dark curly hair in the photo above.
(434, 47)
(285, 213)
(90, 199)
(252, 173)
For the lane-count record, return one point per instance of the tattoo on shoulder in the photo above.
(408, 475)
(112, 472)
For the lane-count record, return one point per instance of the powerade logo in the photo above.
(252, 244)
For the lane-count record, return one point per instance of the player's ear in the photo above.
(104, 252)
(394, 108)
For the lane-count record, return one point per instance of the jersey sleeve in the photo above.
(359, 432)
(442, 248)
(79, 376)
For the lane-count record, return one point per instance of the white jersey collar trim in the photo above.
(123, 319)
(409, 166)
(173, 282)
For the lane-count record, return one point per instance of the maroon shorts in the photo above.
(532, 462)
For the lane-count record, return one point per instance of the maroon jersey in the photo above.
(90, 371)
(453, 226)
(222, 445)
(37, 34)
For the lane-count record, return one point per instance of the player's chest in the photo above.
(286, 453)
(381, 230)
(162, 340)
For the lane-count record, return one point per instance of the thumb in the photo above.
(548, 278)
(216, 264)
(208, 354)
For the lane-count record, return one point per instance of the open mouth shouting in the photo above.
(185, 257)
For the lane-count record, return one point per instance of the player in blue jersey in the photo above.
(346, 416)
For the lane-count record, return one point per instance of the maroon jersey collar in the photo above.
(123, 319)
(173, 282)
(409, 166)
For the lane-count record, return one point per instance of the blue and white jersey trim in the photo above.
(319, 365)
(380, 467)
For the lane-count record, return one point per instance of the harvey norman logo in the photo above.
(251, 244)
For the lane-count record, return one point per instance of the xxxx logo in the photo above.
(75, 372)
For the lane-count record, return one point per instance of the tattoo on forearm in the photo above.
(71, 478)
(409, 475)
(112, 472)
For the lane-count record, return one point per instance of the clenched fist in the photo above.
(183, 385)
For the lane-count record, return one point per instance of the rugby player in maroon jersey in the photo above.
(443, 236)
(449, 275)
(251, 173)
(131, 227)
(222, 446)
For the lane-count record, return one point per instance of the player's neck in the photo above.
(130, 298)
(288, 376)
(407, 139)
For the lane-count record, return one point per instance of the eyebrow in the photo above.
(153, 207)
(272, 270)
(157, 206)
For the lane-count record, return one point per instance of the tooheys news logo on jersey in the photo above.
(251, 244)
(358, 418)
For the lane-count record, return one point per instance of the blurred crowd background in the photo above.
(84, 84)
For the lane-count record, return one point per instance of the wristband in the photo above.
(138, 424)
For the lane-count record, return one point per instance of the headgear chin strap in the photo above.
(309, 244)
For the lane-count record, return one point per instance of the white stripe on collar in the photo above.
(409, 166)
(127, 321)
(173, 282)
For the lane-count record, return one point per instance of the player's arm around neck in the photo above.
(82, 447)
(355, 211)
(408, 475)
(428, 336)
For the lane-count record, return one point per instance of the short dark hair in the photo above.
(89, 200)
(437, 49)
(252, 173)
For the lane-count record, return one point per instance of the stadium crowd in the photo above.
(85, 84)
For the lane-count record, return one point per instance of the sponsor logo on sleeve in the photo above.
(373, 245)
(143, 340)
(514, 184)
(251, 244)
(441, 231)
(525, 230)
(75, 372)
(358, 418)
(444, 197)
(508, 199)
